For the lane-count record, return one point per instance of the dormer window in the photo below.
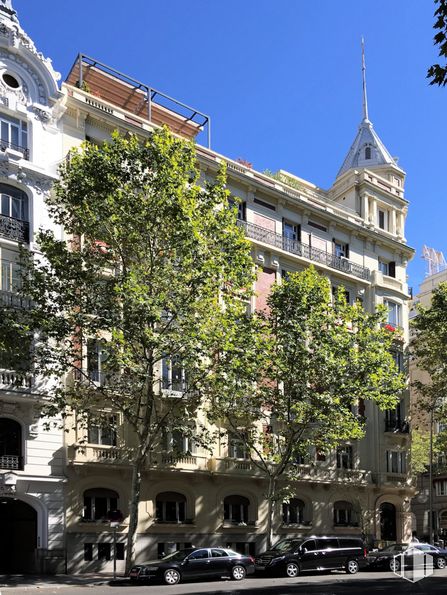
(367, 152)
(10, 81)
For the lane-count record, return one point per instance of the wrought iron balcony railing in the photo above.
(260, 234)
(13, 300)
(4, 144)
(13, 462)
(14, 229)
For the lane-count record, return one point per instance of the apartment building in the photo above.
(31, 458)
(421, 422)
(353, 232)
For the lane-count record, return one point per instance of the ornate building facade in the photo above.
(354, 233)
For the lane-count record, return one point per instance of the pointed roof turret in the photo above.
(367, 150)
(7, 10)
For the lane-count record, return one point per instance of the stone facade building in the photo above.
(353, 232)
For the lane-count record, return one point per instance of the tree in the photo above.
(429, 351)
(147, 253)
(297, 376)
(438, 73)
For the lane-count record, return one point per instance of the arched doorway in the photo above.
(388, 522)
(18, 536)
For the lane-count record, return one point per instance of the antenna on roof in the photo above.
(365, 98)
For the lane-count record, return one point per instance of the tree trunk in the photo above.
(133, 512)
(271, 510)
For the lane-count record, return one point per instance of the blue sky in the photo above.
(281, 80)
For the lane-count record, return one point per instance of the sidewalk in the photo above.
(33, 581)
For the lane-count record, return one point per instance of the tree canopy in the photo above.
(438, 72)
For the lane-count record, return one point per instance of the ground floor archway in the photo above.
(18, 536)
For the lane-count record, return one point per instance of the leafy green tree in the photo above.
(438, 73)
(141, 270)
(429, 351)
(293, 378)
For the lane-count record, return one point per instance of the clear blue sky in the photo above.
(281, 80)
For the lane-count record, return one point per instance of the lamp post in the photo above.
(430, 482)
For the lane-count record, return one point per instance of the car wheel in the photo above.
(352, 567)
(292, 570)
(440, 563)
(171, 576)
(238, 572)
(394, 565)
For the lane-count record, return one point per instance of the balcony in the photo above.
(322, 474)
(11, 462)
(397, 426)
(260, 234)
(5, 145)
(16, 380)
(14, 300)
(108, 455)
(14, 229)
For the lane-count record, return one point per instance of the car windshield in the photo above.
(287, 544)
(178, 555)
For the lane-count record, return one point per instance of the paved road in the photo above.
(364, 583)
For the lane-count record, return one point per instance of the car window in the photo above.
(218, 554)
(231, 553)
(350, 543)
(199, 555)
(178, 556)
(327, 544)
(288, 544)
(310, 545)
(425, 547)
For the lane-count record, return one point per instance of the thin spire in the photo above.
(365, 98)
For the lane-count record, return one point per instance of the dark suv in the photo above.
(291, 556)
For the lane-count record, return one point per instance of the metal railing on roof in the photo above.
(153, 96)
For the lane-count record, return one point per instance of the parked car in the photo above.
(194, 563)
(386, 557)
(289, 557)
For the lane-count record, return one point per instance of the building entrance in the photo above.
(388, 522)
(18, 536)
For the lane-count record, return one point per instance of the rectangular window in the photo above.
(104, 552)
(237, 448)
(14, 133)
(441, 487)
(345, 457)
(262, 203)
(173, 374)
(394, 313)
(381, 219)
(88, 552)
(396, 461)
(119, 552)
(341, 249)
(316, 225)
(10, 276)
(104, 433)
(96, 358)
(383, 267)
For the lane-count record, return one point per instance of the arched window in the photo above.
(344, 514)
(101, 504)
(14, 214)
(367, 152)
(293, 512)
(170, 507)
(236, 509)
(10, 444)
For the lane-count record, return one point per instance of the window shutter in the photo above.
(392, 269)
(347, 250)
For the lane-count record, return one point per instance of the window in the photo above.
(343, 513)
(236, 509)
(319, 226)
(346, 294)
(104, 552)
(180, 442)
(291, 234)
(241, 208)
(96, 357)
(381, 218)
(10, 276)
(14, 134)
(396, 461)
(237, 447)
(170, 507)
(341, 249)
(13, 203)
(262, 203)
(10, 81)
(166, 548)
(88, 552)
(100, 504)
(174, 377)
(345, 457)
(393, 421)
(387, 268)
(367, 152)
(293, 512)
(215, 553)
(119, 551)
(394, 313)
(441, 488)
(104, 433)
(10, 444)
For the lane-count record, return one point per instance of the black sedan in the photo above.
(194, 563)
(386, 558)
